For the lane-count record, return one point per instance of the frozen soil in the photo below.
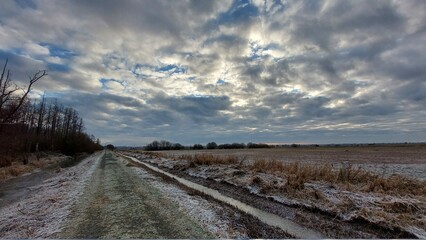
(334, 212)
(47, 202)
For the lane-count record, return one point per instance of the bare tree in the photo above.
(10, 99)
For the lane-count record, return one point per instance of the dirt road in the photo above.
(119, 204)
(106, 196)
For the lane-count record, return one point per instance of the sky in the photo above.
(196, 71)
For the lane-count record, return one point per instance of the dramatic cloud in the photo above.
(194, 71)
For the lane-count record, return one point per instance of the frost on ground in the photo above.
(390, 210)
(43, 212)
(209, 215)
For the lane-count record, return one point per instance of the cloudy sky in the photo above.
(227, 71)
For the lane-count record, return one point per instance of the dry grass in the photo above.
(297, 174)
(342, 189)
(17, 168)
(210, 159)
(39, 163)
(204, 159)
(347, 177)
(14, 171)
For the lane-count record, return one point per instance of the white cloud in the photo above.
(291, 64)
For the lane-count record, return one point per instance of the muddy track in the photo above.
(118, 204)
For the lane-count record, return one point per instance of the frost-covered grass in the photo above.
(17, 168)
(207, 214)
(298, 173)
(348, 192)
(43, 212)
(347, 177)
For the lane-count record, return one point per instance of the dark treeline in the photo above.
(27, 126)
(165, 145)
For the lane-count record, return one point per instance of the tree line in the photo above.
(31, 126)
(165, 145)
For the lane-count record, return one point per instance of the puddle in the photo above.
(286, 225)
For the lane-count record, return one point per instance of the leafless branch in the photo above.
(7, 91)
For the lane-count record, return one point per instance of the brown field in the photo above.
(405, 159)
(382, 154)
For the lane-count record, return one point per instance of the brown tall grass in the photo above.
(346, 176)
(14, 171)
(17, 168)
(210, 159)
(198, 159)
(297, 174)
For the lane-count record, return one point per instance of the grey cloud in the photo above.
(306, 71)
(298, 106)
(197, 108)
(359, 20)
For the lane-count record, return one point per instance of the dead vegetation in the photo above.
(350, 193)
(197, 159)
(347, 177)
(210, 159)
(17, 168)
(13, 171)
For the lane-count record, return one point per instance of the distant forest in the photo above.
(31, 126)
(165, 145)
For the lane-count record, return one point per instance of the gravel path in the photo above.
(119, 204)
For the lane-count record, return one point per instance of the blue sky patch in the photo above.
(168, 69)
(220, 82)
(171, 68)
(104, 82)
(58, 67)
(240, 11)
(58, 51)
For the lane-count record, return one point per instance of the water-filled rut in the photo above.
(286, 225)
